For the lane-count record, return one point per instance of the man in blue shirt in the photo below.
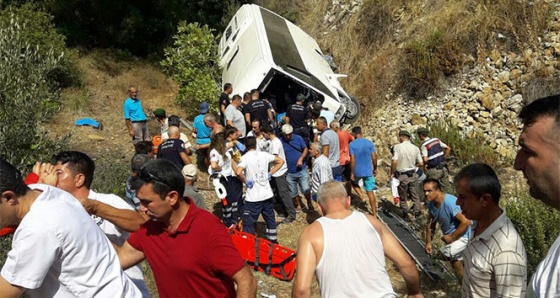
(202, 133)
(134, 116)
(296, 151)
(363, 164)
(456, 228)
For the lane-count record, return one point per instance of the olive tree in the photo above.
(28, 96)
(192, 63)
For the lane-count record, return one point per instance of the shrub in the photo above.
(27, 95)
(111, 172)
(537, 225)
(192, 63)
(36, 28)
(466, 148)
(427, 60)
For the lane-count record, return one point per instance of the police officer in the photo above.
(406, 157)
(434, 152)
(258, 109)
(297, 115)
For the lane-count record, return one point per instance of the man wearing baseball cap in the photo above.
(406, 157)
(202, 133)
(190, 173)
(434, 153)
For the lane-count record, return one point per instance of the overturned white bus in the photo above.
(261, 50)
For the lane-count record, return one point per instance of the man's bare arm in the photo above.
(128, 255)
(306, 263)
(326, 150)
(302, 157)
(185, 158)
(393, 167)
(396, 253)
(374, 163)
(8, 290)
(352, 165)
(246, 283)
(128, 220)
(464, 224)
(278, 162)
(129, 127)
(446, 152)
(430, 228)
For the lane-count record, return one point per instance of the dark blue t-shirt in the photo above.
(293, 150)
(170, 149)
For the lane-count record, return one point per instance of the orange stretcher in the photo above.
(265, 256)
(7, 230)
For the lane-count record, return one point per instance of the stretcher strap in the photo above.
(286, 261)
(256, 266)
(269, 265)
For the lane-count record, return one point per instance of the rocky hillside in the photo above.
(484, 96)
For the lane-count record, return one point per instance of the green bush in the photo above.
(192, 63)
(36, 28)
(27, 95)
(111, 172)
(537, 224)
(466, 148)
(428, 59)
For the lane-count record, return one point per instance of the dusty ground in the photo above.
(101, 98)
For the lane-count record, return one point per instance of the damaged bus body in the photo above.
(261, 50)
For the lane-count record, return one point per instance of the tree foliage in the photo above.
(141, 27)
(28, 96)
(191, 63)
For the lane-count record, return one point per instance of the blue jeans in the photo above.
(300, 178)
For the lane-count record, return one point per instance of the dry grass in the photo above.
(372, 44)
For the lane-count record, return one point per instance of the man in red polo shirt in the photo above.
(188, 249)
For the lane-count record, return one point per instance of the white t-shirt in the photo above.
(546, 279)
(118, 236)
(58, 251)
(224, 164)
(255, 164)
(276, 148)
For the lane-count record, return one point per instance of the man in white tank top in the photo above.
(349, 264)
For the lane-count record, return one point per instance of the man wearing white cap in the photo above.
(190, 173)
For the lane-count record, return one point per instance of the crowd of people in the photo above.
(275, 166)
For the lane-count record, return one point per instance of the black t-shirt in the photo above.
(257, 109)
(224, 100)
(298, 115)
(170, 149)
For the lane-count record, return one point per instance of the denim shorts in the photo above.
(300, 178)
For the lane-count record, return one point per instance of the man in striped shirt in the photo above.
(495, 259)
(322, 171)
